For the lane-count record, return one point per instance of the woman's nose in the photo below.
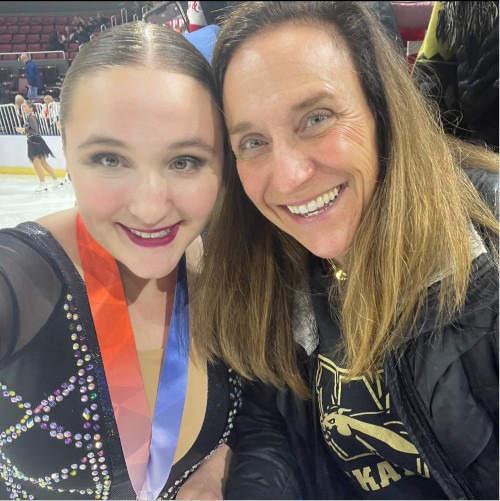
(291, 167)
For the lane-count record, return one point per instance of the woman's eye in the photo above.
(316, 119)
(106, 160)
(186, 163)
(251, 144)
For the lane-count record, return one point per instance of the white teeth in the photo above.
(311, 208)
(156, 234)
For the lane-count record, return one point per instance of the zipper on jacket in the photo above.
(422, 422)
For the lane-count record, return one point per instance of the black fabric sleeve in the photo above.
(29, 292)
(263, 465)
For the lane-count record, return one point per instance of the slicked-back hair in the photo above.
(135, 44)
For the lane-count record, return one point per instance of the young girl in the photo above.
(103, 395)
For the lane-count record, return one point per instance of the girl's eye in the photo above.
(106, 160)
(186, 163)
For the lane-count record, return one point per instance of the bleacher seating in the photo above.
(30, 34)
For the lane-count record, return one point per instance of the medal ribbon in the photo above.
(148, 465)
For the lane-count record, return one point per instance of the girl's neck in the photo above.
(150, 303)
(136, 287)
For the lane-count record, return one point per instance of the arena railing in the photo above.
(30, 53)
(9, 119)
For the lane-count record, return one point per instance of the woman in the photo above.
(103, 396)
(38, 150)
(355, 263)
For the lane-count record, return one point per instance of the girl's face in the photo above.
(144, 148)
(303, 135)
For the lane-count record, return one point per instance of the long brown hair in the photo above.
(416, 228)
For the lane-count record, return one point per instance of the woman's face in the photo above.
(303, 135)
(144, 149)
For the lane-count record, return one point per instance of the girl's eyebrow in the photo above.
(98, 140)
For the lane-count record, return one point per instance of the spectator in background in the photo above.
(457, 66)
(53, 42)
(78, 21)
(67, 35)
(18, 102)
(81, 35)
(32, 76)
(47, 111)
(92, 24)
(101, 19)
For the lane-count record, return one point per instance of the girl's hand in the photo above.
(21, 130)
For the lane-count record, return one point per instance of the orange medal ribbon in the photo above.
(117, 344)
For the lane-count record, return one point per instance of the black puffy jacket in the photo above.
(446, 393)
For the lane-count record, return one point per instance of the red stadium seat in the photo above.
(19, 47)
(13, 28)
(25, 28)
(33, 38)
(5, 47)
(48, 20)
(5, 38)
(47, 28)
(37, 56)
(18, 38)
(11, 20)
(36, 20)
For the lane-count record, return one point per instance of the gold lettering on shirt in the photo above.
(367, 431)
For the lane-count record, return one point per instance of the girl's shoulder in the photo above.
(62, 226)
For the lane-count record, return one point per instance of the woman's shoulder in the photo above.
(486, 183)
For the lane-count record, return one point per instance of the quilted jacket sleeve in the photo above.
(263, 465)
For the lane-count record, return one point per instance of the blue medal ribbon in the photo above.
(172, 389)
